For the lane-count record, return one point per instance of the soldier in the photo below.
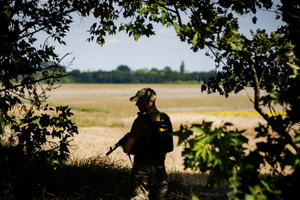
(149, 141)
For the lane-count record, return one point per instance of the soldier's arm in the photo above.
(128, 144)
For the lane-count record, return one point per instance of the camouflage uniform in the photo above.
(146, 178)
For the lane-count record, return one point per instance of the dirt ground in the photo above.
(96, 141)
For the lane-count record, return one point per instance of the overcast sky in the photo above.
(163, 49)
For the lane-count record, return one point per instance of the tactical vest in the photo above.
(161, 137)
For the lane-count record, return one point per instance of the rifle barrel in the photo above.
(119, 143)
(111, 150)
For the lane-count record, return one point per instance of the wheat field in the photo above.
(104, 114)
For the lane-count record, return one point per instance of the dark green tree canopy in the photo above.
(26, 124)
(124, 68)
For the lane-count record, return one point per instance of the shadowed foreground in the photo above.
(94, 178)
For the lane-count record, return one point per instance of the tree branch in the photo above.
(257, 95)
(271, 121)
(210, 48)
(49, 67)
(31, 33)
(33, 82)
(174, 11)
(262, 74)
(21, 96)
(178, 15)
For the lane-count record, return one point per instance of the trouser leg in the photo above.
(139, 183)
(149, 181)
(159, 186)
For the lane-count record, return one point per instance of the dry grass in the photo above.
(108, 105)
(104, 114)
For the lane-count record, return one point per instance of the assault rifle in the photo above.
(121, 142)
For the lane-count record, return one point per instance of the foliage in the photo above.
(263, 62)
(92, 178)
(222, 152)
(123, 74)
(217, 150)
(29, 128)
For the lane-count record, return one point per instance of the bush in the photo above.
(92, 178)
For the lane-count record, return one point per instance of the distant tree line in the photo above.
(123, 74)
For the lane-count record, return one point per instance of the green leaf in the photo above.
(249, 197)
(197, 129)
(194, 41)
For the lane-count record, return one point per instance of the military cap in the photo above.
(145, 93)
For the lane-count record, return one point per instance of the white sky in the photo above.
(163, 49)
